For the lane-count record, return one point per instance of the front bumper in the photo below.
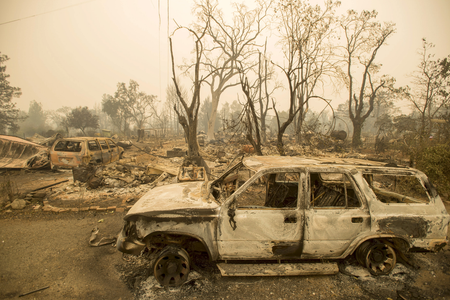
(128, 243)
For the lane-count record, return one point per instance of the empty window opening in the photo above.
(332, 190)
(276, 190)
(397, 188)
(68, 146)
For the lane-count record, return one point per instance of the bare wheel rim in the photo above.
(172, 267)
(380, 259)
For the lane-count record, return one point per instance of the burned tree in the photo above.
(188, 118)
(265, 75)
(431, 92)
(128, 103)
(363, 38)
(253, 117)
(138, 104)
(9, 114)
(81, 118)
(230, 43)
(305, 33)
(250, 121)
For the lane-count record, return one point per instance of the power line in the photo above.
(167, 42)
(159, 48)
(47, 12)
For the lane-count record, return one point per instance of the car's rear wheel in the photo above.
(172, 266)
(378, 257)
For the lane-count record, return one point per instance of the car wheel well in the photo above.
(398, 243)
(159, 241)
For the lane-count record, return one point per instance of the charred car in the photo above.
(73, 152)
(280, 213)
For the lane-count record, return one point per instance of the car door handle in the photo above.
(290, 220)
(357, 220)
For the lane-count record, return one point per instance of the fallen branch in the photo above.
(41, 289)
(50, 185)
(149, 152)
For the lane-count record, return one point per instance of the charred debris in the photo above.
(142, 167)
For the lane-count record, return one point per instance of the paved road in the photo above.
(52, 250)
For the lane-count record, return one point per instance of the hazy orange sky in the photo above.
(71, 52)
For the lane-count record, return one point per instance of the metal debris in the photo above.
(191, 173)
(17, 153)
(103, 241)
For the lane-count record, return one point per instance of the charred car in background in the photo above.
(279, 213)
(72, 152)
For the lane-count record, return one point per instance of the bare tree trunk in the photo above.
(252, 118)
(282, 127)
(215, 96)
(299, 128)
(189, 120)
(356, 139)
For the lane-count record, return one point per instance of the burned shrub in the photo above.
(435, 162)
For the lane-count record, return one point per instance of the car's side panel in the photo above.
(329, 232)
(424, 224)
(203, 228)
(260, 234)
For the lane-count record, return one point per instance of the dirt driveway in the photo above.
(40, 250)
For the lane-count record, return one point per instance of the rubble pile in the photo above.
(112, 181)
(145, 167)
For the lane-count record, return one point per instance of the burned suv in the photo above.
(72, 152)
(279, 213)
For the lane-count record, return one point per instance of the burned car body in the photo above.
(289, 208)
(72, 152)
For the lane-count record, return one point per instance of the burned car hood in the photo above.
(179, 198)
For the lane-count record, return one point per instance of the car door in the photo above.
(95, 151)
(335, 215)
(263, 220)
(114, 150)
(106, 155)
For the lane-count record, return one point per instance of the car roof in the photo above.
(258, 163)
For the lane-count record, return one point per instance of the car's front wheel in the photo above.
(172, 266)
(378, 257)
